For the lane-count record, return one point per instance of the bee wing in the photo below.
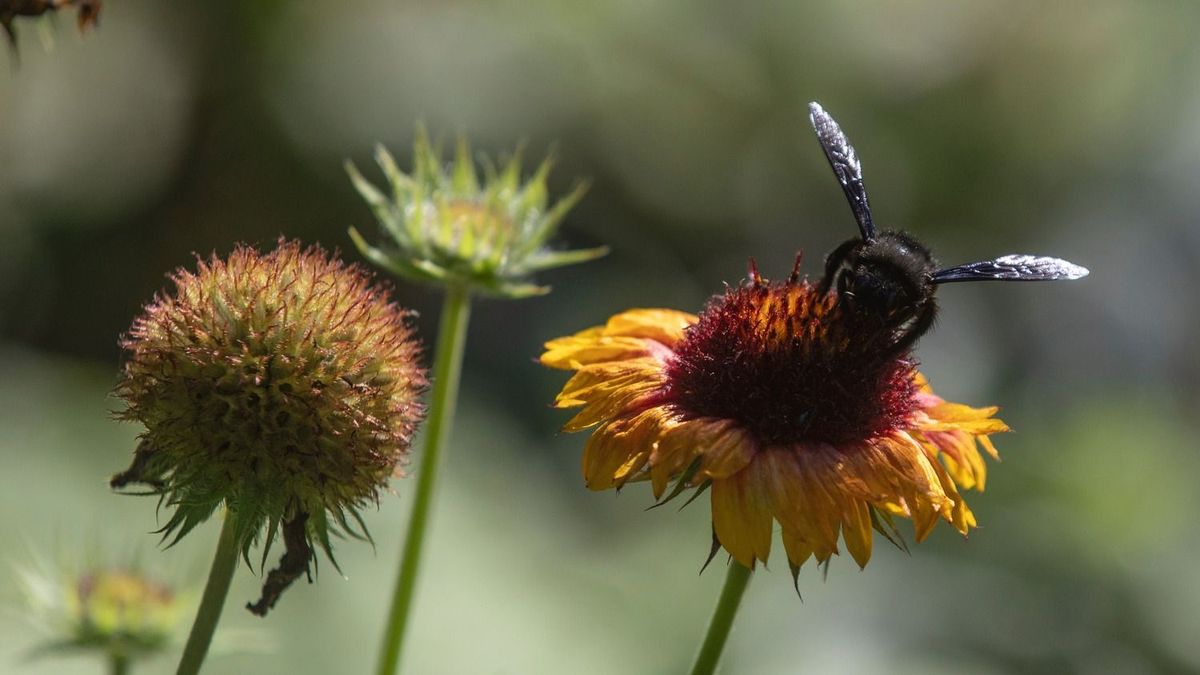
(845, 165)
(1012, 268)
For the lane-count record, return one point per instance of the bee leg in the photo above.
(918, 327)
(833, 263)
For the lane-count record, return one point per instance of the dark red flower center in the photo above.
(787, 363)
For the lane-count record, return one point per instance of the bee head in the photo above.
(889, 276)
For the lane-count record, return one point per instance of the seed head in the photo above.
(284, 386)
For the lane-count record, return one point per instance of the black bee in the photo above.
(890, 274)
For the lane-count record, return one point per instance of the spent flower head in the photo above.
(786, 407)
(442, 225)
(283, 386)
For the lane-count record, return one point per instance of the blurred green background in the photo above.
(985, 127)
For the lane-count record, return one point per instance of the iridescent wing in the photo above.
(845, 165)
(1012, 268)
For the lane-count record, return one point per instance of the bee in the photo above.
(889, 274)
(89, 13)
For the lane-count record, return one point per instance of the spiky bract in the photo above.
(442, 225)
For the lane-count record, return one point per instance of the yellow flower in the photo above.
(786, 407)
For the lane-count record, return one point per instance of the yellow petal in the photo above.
(924, 517)
(960, 455)
(664, 325)
(793, 502)
(599, 381)
(957, 412)
(797, 549)
(571, 353)
(618, 448)
(604, 451)
(726, 449)
(856, 530)
(742, 516)
(991, 449)
(960, 516)
(982, 425)
(615, 404)
(674, 452)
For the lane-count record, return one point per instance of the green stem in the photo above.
(736, 582)
(447, 367)
(224, 562)
(118, 663)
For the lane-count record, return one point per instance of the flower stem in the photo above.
(224, 562)
(736, 581)
(447, 367)
(118, 663)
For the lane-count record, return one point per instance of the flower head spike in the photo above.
(283, 386)
(444, 226)
(786, 407)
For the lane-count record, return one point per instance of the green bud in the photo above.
(442, 225)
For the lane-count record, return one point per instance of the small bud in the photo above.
(117, 612)
(283, 386)
(442, 226)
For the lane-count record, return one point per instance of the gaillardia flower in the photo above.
(285, 386)
(442, 226)
(786, 406)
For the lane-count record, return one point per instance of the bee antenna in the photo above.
(795, 275)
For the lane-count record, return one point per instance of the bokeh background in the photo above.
(986, 127)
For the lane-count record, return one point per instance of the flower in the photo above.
(284, 386)
(784, 405)
(119, 612)
(443, 227)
